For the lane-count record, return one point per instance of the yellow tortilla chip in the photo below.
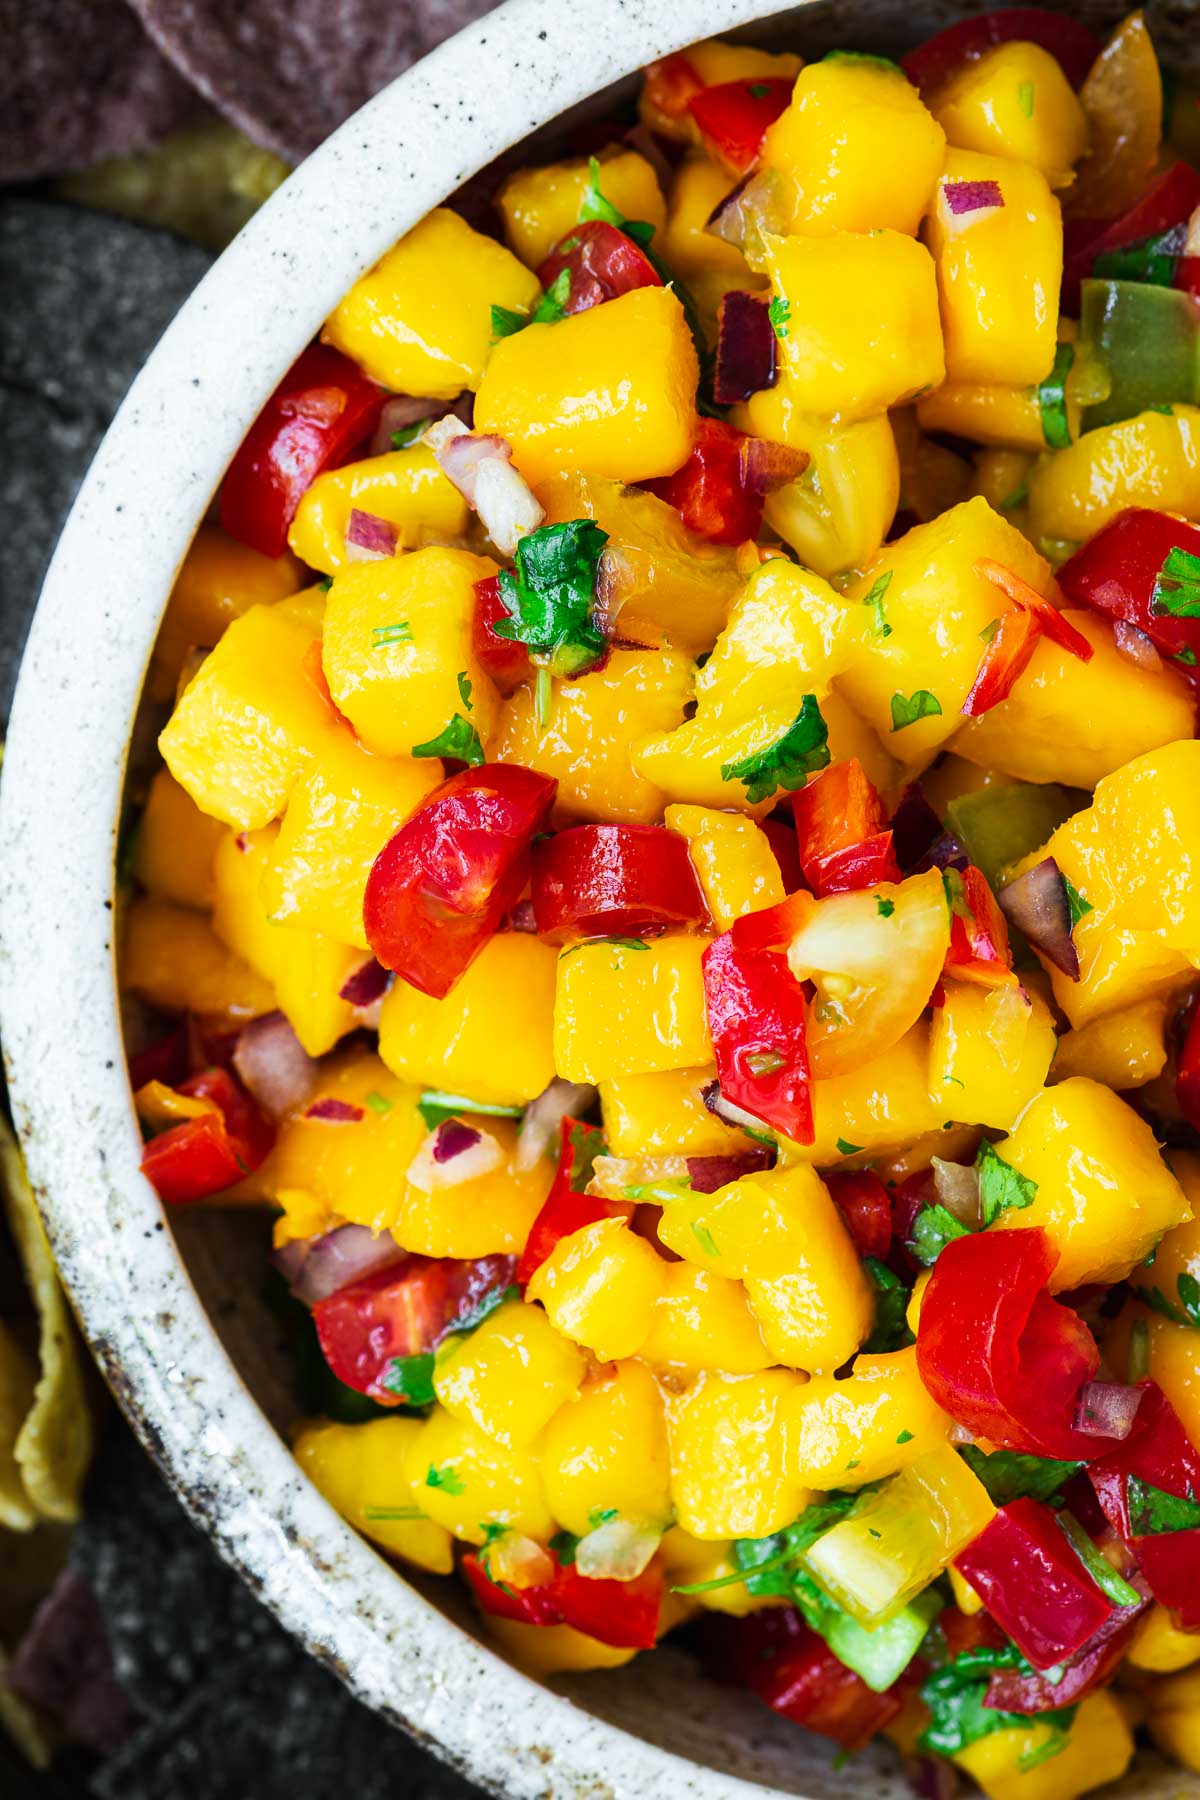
(18, 1380)
(54, 1445)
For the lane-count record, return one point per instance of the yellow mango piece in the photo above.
(586, 745)
(714, 62)
(218, 580)
(176, 843)
(306, 969)
(250, 720)
(850, 735)
(879, 1107)
(965, 1597)
(625, 1011)
(840, 510)
(609, 391)
(341, 814)
(171, 957)
(359, 1470)
(1151, 460)
(1158, 1645)
(999, 270)
(1099, 1749)
(856, 150)
(927, 590)
(689, 762)
(704, 1321)
(1124, 1049)
(608, 1449)
(510, 1375)
(933, 478)
(539, 205)
(842, 1434)
(452, 1044)
(1104, 1195)
(1014, 101)
(490, 1216)
(685, 244)
(1075, 722)
(414, 331)
(989, 413)
(467, 1481)
(664, 1115)
(599, 1287)
(401, 688)
(729, 1467)
(990, 1052)
(553, 1649)
(687, 1560)
(860, 332)
(1001, 476)
(405, 487)
(733, 860)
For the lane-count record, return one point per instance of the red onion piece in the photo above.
(453, 1153)
(521, 918)
(369, 538)
(745, 350)
(764, 466)
(273, 1066)
(452, 1138)
(640, 138)
(543, 1116)
(314, 1268)
(335, 1112)
(402, 410)
(708, 1173)
(725, 1110)
(1135, 645)
(1037, 904)
(366, 984)
(748, 210)
(946, 852)
(972, 196)
(915, 826)
(957, 1187)
(481, 469)
(1106, 1409)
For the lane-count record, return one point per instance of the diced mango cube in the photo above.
(665, 1115)
(1170, 1280)
(879, 1107)
(360, 1471)
(218, 580)
(703, 1321)
(1152, 460)
(1159, 1646)
(172, 958)
(630, 1008)
(733, 860)
(554, 1649)
(688, 1560)
(1015, 101)
(176, 843)
(467, 1481)
(510, 1375)
(539, 204)
(1012, 1764)
(874, 1422)
(607, 1451)
(599, 1286)
(730, 1476)
(1124, 1049)
(406, 487)
(990, 1052)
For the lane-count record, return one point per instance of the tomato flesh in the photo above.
(613, 881)
(602, 262)
(401, 1311)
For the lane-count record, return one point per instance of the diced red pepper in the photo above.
(1090, 1668)
(1031, 1580)
(321, 410)
(786, 851)
(841, 830)
(708, 492)
(1117, 571)
(734, 116)
(932, 63)
(613, 881)
(998, 1353)
(403, 1310)
(622, 1613)
(804, 1681)
(1169, 200)
(1187, 1069)
(506, 661)
(669, 84)
(566, 1207)
(979, 948)
(602, 262)
(1187, 276)
(866, 1209)
(439, 888)
(1159, 1453)
(204, 1155)
(756, 1015)
(1007, 656)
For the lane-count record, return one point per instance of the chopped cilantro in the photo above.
(564, 1545)
(954, 1081)
(400, 633)
(660, 1193)
(435, 1105)
(863, 56)
(845, 1148)
(1149, 260)
(550, 594)
(904, 1437)
(325, 583)
(934, 1228)
(1052, 399)
(614, 943)
(890, 1330)
(1007, 1475)
(765, 1062)
(594, 205)
(1017, 497)
(552, 305)
(1113, 1586)
(779, 312)
(885, 908)
(410, 1377)
(1151, 1511)
(484, 1307)
(464, 690)
(447, 1479)
(769, 1565)
(705, 1239)
(587, 1143)
(1186, 656)
(789, 761)
(1138, 1361)
(1176, 589)
(1080, 907)
(989, 631)
(1050, 1746)
(1187, 1289)
(505, 322)
(959, 1714)
(378, 1103)
(408, 434)
(391, 1514)
(1001, 1187)
(758, 90)
(874, 600)
(921, 705)
(601, 1515)
(1025, 98)
(459, 740)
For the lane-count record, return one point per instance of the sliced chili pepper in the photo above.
(1024, 1569)
(1007, 656)
(440, 887)
(866, 1209)
(756, 1015)
(734, 117)
(1058, 629)
(321, 410)
(613, 881)
(506, 661)
(1071, 43)
(567, 1208)
(1124, 572)
(979, 948)
(841, 831)
(708, 492)
(622, 1613)
(601, 261)
(204, 1155)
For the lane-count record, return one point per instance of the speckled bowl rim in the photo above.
(59, 805)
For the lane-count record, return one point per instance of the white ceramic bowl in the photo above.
(653, 1732)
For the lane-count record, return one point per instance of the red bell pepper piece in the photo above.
(622, 1613)
(1025, 1570)
(321, 410)
(1159, 1454)
(403, 1310)
(506, 661)
(866, 1209)
(602, 262)
(669, 84)
(439, 888)
(998, 1354)
(785, 849)
(1006, 657)
(1187, 1069)
(1169, 200)
(1117, 573)
(841, 830)
(1090, 1668)
(708, 492)
(931, 64)
(204, 1155)
(756, 1015)
(566, 1207)
(804, 1681)
(733, 117)
(613, 881)
(979, 948)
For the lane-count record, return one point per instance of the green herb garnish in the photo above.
(1025, 98)
(1187, 1289)
(448, 1480)
(845, 1148)
(1009, 1476)
(411, 1378)
(921, 705)
(1113, 1586)
(885, 908)
(890, 1330)
(933, 1228)
(549, 597)
(1080, 907)
(1176, 590)
(789, 761)
(408, 434)
(459, 740)
(464, 690)
(400, 633)
(505, 322)
(1052, 399)
(436, 1105)
(779, 312)
(378, 1103)
(1001, 1187)
(1152, 1512)
(705, 1239)
(874, 600)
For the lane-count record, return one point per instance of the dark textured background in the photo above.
(229, 1707)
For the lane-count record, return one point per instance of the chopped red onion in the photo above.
(366, 984)
(725, 1109)
(745, 349)
(273, 1066)
(708, 1173)
(402, 410)
(957, 1187)
(763, 466)
(543, 1116)
(369, 538)
(335, 1112)
(314, 1268)
(972, 196)
(946, 852)
(1106, 1409)
(481, 469)
(453, 1153)
(452, 1138)
(1135, 645)
(1037, 904)
(915, 826)
(521, 918)
(748, 210)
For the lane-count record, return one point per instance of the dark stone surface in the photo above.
(230, 1707)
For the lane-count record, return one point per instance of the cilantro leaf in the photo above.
(767, 1565)
(779, 312)
(921, 705)
(1113, 1586)
(933, 1228)
(484, 1307)
(1151, 1511)
(459, 740)
(614, 943)
(549, 596)
(1080, 907)
(844, 1147)
(1017, 497)
(1025, 98)
(464, 690)
(1009, 1476)
(400, 633)
(1052, 399)
(552, 304)
(505, 321)
(1001, 1187)
(1186, 656)
(601, 1515)
(890, 1330)
(564, 1545)
(789, 761)
(1188, 1310)
(411, 1377)
(959, 1714)
(705, 1239)
(594, 205)
(874, 600)
(408, 434)
(436, 1105)
(885, 908)
(1176, 590)
(448, 1479)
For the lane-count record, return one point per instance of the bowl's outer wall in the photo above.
(507, 76)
